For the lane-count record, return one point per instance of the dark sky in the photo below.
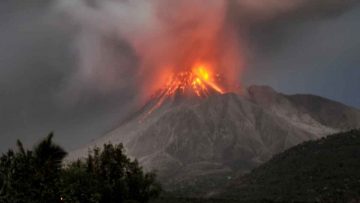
(37, 60)
(317, 57)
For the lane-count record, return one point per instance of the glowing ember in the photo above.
(199, 80)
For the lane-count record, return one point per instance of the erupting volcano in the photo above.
(215, 134)
(183, 63)
(199, 80)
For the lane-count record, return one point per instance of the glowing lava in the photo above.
(199, 80)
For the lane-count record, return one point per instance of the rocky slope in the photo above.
(189, 140)
(325, 170)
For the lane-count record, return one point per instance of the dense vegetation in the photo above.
(193, 200)
(106, 175)
(326, 170)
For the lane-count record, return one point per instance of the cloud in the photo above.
(135, 42)
(92, 54)
(164, 36)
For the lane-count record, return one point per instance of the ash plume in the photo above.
(140, 42)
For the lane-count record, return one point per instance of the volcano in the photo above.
(197, 82)
(192, 140)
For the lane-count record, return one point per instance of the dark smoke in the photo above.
(72, 66)
(165, 34)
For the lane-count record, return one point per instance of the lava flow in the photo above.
(198, 81)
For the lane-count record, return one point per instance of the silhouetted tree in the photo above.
(78, 185)
(48, 159)
(31, 176)
(108, 175)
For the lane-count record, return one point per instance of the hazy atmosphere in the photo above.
(73, 67)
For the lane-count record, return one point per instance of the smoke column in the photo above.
(167, 36)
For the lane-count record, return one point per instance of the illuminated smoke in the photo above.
(168, 37)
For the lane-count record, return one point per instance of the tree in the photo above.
(48, 159)
(30, 176)
(108, 175)
(78, 185)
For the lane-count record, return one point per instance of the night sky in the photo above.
(314, 55)
(321, 57)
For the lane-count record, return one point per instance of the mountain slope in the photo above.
(192, 141)
(326, 170)
(327, 112)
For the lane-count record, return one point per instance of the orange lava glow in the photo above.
(199, 80)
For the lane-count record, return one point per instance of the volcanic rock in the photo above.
(191, 141)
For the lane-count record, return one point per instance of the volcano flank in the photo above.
(208, 140)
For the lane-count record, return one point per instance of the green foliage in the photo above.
(106, 175)
(326, 170)
(198, 186)
(30, 176)
(193, 200)
(78, 185)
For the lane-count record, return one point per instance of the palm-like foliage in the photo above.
(107, 175)
(28, 176)
(49, 155)
(16, 173)
(47, 162)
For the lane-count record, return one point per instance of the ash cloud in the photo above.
(72, 66)
(165, 36)
(162, 36)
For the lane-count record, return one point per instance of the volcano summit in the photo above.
(194, 140)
